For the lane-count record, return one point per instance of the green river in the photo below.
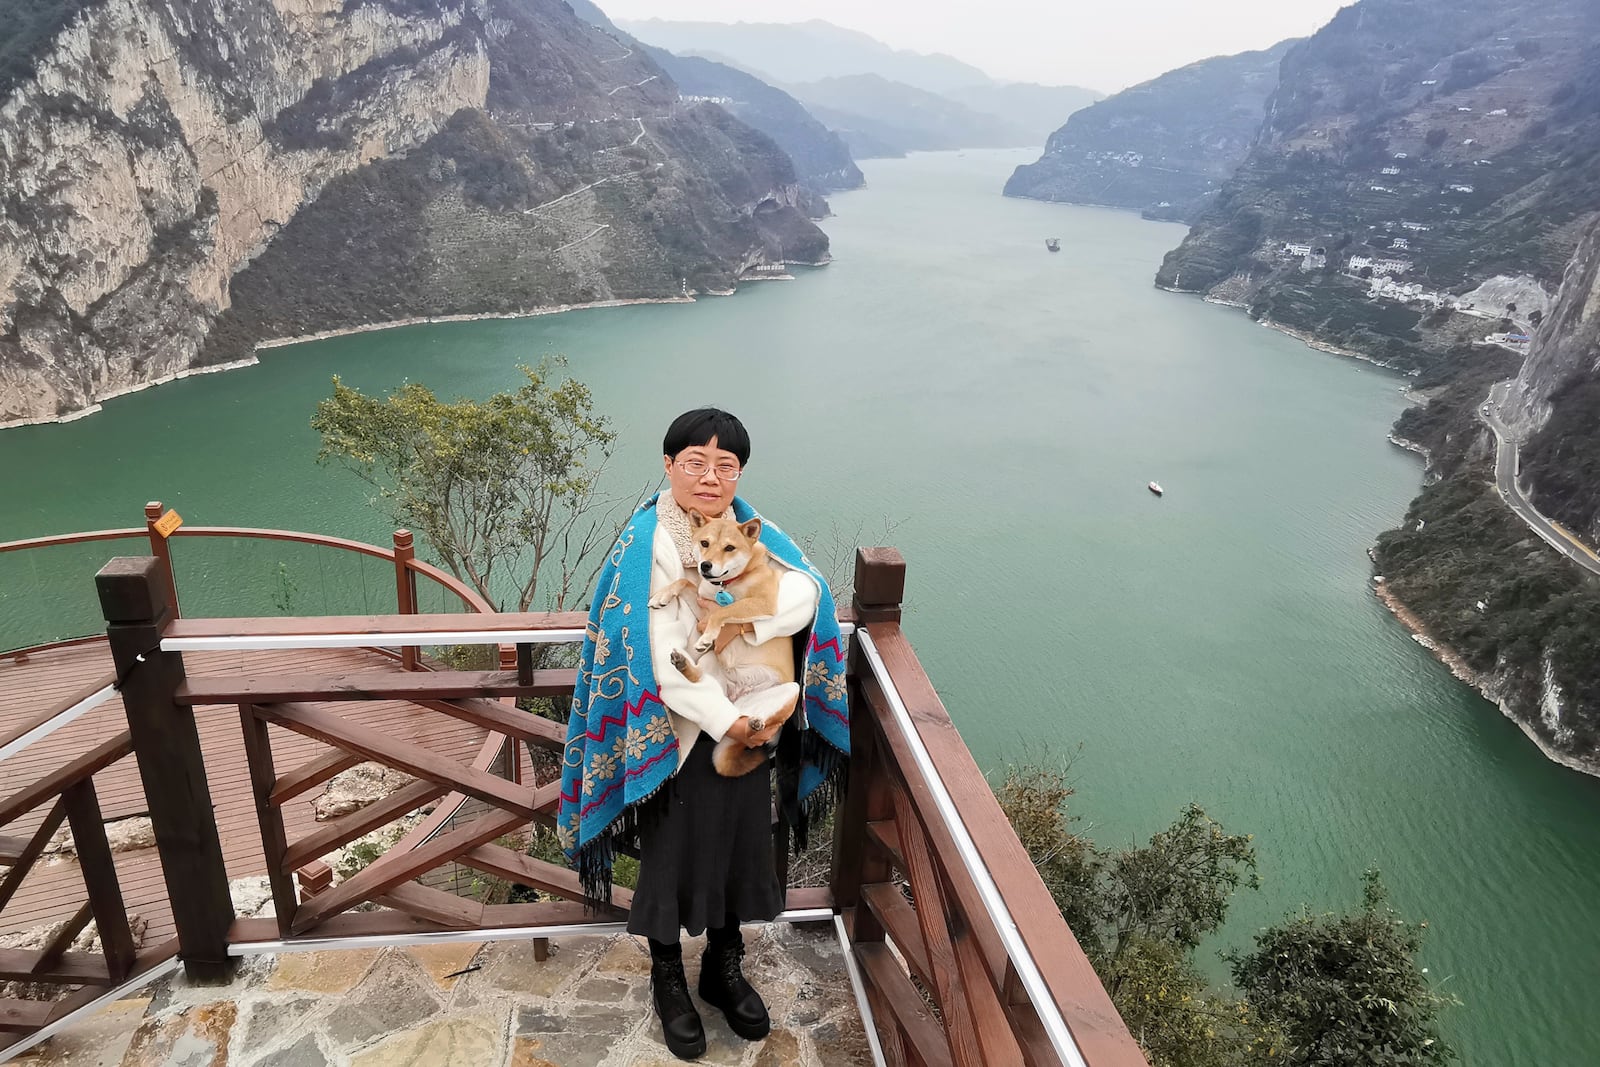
(998, 410)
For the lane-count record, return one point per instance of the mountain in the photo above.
(1445, 141)
(1163, 147)
(1557, 400)
(1034, 109)
(878, 117)
(179, 181)
(821, 158)
(1427, 175)
(790, 52)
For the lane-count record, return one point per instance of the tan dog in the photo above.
(760, 678)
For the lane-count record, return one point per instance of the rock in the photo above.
(218, 166)
(88, 940)
(446, 1043)
(194, 1037)
(390, 999)
(357, 787)
(123, 835)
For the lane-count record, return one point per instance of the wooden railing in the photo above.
(962, 957)
(410, 573)
(70, 792)
(965, 956)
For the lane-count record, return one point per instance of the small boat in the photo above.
(1155, 487)
(1053, 243)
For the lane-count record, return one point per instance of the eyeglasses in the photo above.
(696, 468)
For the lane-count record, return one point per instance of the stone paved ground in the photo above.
(587, 1005)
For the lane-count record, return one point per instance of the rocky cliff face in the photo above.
(1164, 147)
(1557, 400)
(821, 159)
(148, 152)
(1446, 141)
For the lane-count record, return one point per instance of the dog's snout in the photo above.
(705, 569)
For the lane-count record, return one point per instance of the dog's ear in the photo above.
(696, 519)
(752, 529)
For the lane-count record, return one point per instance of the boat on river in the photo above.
(1053, 243)
(1155, 487)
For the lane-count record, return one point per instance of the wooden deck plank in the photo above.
(54, 890)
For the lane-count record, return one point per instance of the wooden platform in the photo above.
(54, 891)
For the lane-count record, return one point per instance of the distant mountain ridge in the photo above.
(1163, 147)
(821, 158)
(883, 101)
(807, 51)
(878, 117)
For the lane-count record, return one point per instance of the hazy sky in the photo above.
(1104, 44)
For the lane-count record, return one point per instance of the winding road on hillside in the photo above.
(1507, 464)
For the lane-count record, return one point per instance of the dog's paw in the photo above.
(679, 660)
(705, 644)
(661, 600)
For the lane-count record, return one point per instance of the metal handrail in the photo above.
(993, 900)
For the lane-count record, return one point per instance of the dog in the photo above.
(760, 678)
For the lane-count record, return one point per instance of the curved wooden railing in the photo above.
(409, 571)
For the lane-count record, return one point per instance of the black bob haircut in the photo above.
(699, 426)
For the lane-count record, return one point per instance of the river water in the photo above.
(948, 386)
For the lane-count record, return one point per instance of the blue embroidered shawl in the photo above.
(620, 745)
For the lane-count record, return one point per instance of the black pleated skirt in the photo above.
(705, 851)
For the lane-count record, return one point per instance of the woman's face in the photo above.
(706, 492)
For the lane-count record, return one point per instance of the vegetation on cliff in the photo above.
(1532, 640)
(1163, 147)
(1457, 139)
(1317, 990)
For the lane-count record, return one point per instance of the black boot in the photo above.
(669, 989)
(722, 984)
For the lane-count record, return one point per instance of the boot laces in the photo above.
(728, 965)
(668, 979)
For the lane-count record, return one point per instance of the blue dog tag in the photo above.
(724, 598)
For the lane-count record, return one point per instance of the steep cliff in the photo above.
(1446, 141)
(1163, 147)
(821, 159)
(148, 152)
(1557, 400)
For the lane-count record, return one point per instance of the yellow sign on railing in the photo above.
(168, 523)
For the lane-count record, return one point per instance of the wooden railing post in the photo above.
(880, 582)
(405, 586)
(135, 600)
(161, 550)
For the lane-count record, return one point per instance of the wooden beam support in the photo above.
(906, 1007)
(69, 968)
(517, 867)
(31, 852)
(100, 877)
(269, 817)
(135, 599)
(336, 833)
(393, 868)
(53, 784)
(507, 719)
(311, 774)
(415, 686)
(415, 760)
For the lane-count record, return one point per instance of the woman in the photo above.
(638, 771)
